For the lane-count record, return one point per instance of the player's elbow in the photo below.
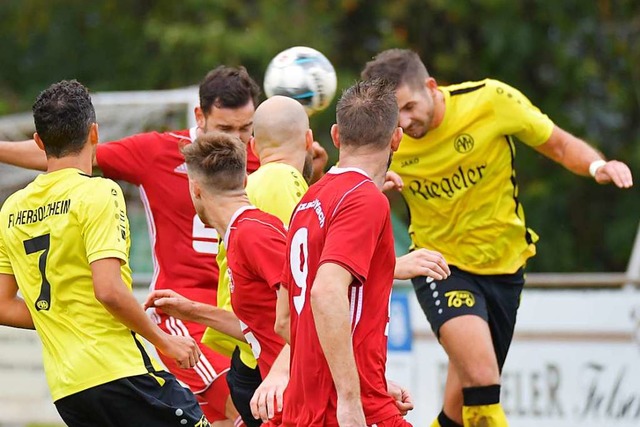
(106, 294)
(281, 327)
(321, 294)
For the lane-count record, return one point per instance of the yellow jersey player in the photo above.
(64, 244)
(456, 164)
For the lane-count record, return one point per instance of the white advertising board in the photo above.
(575, 362)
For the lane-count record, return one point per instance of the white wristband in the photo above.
(595, 165)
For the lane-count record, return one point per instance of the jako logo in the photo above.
(457, 298)
(463, 143)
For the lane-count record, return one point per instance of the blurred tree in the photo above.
(576, 60)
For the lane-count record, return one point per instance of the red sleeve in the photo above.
(351, 241)
(264, 250)
(128, 159)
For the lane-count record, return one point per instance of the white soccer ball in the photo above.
(304, 74)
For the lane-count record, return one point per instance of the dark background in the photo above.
(577, 60)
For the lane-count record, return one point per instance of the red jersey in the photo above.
(184, 249)
(342, 219)
(255, 243)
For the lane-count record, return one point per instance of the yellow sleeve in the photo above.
(104, 221)
(278, 192)
(518, 116)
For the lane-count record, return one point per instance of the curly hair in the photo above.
(63, 115)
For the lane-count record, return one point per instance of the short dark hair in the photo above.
(367, 114)
(398, 66)
(220, 159)
(63, 115)
(228, 87)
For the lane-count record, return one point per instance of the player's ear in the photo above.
(308, 139)
(93, 134)
(200, 120)
(335, 136)
(38, 141)
(430, 83)
(396, 137)
(252, 147)
(194, 189)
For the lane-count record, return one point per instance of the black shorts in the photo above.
(145, 400)
(495, 298)
(243, 381)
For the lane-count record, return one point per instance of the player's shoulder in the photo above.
(484, 87)
(95, 187)
(13, 200)
(354, 184)
(155, 137)
(255, 224)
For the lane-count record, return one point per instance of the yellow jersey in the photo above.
(275, 188)
(50, 233)
(460, 182)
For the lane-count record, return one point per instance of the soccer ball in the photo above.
(304, 74)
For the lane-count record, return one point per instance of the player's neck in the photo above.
(291, 158)
(439, 108)
(81, 161)
(220, 210)
(373, 164)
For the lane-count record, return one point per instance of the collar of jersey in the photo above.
(335, 170)
(235, 216)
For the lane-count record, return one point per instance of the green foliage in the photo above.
(576, 60)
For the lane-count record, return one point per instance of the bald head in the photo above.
(280, 121)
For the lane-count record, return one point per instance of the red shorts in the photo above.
(207, 379)
(395, 421)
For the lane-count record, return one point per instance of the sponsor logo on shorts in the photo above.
(457, 298)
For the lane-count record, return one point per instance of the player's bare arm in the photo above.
(330, 307)
(421, 262)
(176, 305)
(116, 297)
(578, 156)
(283, 315)
(27, 155)
(268, 397)
(24, 154)
(13, 310)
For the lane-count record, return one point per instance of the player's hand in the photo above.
(268, 397)
(403, 399)
(184, 350)
(421, 262)
(350, 413)
(392, 180)
(171, 303)
(616, 172)
(320, 159)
